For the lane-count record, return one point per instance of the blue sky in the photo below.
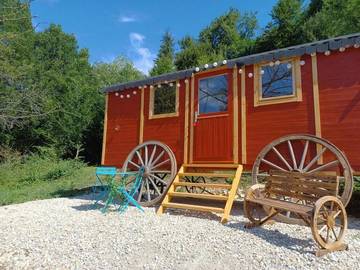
(134, 28)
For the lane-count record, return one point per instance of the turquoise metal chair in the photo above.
(110, 191)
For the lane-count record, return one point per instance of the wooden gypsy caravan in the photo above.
(295, 109)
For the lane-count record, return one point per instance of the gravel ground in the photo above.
(70, 233)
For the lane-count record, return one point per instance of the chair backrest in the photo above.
(301, 186)
(106, 171)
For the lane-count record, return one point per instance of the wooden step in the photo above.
(193, 207)
(219, 175)
(232, 166)
(198, 196)
(203, 185)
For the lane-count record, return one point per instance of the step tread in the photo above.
(193, 207)
(220, 175)
(211, 165)
(199, 196)
(204, 185)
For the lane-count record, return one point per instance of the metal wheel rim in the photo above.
(153, 156)
(301, 165)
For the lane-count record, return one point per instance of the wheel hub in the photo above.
(330, 222)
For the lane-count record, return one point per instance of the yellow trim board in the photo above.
(141, 132)
(317, 117)
(235, 116)
(105, 129)
(243, 117)
(186, 122)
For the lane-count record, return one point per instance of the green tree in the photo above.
(228, 36)
(164, 61)
(331, 18)
(285, 27)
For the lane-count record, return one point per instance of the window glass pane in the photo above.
(165, 99)
(213, 94)
(277, 80)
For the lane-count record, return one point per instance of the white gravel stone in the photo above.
(70, 233)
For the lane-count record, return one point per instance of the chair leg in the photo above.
(132, 200)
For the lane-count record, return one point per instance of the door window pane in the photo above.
(213, 94)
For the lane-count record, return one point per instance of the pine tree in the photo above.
(164, 61)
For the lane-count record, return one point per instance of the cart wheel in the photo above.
(329, 222)
(253, 211)
(303, 153)
(195, 179)
(160, 167)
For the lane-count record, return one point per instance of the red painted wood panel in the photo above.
(339, 88)
(123, 126)
(268, 122)
(213, 136)
(169, 130)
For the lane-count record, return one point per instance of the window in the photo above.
(213, 94)
(277, 82)
(164, 100)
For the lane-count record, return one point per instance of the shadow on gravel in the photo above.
(277, 238)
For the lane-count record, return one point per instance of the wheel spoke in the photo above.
(273, 165)
(157, 158)
(133, 163)
(282, 158)
(139, 156)
(337, 213)
(334, 233)
(159, 179)
(152, 155)
(292, 154)
(161, 163)
(153, 184)
(301, 166)
(325, 166)
(164, 172)
(322, 228)
(146, 155)
(141, 190)
(315, 159)
(148, 190)
(327, 235)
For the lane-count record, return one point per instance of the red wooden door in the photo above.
(213, 118)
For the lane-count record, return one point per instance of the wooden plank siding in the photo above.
(339, 90)
(169, 130)
(123, 120)
(267, 123)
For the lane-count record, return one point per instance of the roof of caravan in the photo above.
(308, 48)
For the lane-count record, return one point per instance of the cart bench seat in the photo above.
(312, 197)
(283, 205)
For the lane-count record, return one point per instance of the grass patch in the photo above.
(35, 178)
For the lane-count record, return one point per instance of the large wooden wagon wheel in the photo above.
(329, 223)
(160, 169)
(306, 154)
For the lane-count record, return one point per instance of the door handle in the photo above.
(196, 118)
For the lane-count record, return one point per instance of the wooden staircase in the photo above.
(230, 172)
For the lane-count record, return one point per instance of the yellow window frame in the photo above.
(152, 103)
(297, 89)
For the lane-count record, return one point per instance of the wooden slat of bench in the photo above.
(309, 183)
(293, 195)
(319, 175)
(283, 205)
(317, 191)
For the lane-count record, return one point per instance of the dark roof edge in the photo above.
(297, 50)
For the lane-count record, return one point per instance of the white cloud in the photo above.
(127, 19)
(142, 57)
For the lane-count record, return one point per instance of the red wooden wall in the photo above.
(339, 88)
(169, 130)
(122, 126)
(269, 122)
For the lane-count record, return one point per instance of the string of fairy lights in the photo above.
(224, 62)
